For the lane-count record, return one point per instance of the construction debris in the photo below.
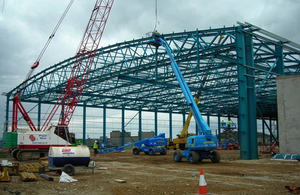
(28, 176)
(33, 168)
(47, 177)
(293, 189)
(65, 178)
(12, 168)
(4, 175)
(120, 181)
(11, 191)
(44, 161)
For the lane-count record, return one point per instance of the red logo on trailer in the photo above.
(31, 137)
(66, 150)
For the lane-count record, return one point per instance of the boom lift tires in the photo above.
(177, 156)
(164, 151)
(216, 157)
(136, 151)
(151, 152)
(193, 157)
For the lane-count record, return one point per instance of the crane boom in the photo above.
(17, 105)
(71, 95)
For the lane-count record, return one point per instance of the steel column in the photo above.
(84, 124)
(39, 115)
(123, 125)
(219, 128)
(251, 98)
(155, 122)
(280, 61)
(271, 133)
(170, 124)
(6, 113)
(243, 123)
(183, 119)
(208, 119)
(104, 123)
(140, 123)
(263, 131)
(197, 128)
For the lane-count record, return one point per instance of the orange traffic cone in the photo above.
(202, 183)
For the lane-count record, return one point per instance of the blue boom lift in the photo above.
(151, 146)
(201, 146)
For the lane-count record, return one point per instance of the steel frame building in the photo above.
(234, 69)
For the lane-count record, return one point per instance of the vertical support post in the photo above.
(170, 124)
(251, 98)
(280, 70)
(243, 98)
(208, 119)
(6, 113)
(140, 124)
(39, 116)
(62, 111)
(104, 123)
(197, 128)
(84, 124)
(155, 122)
(247, 100)
(198, 50)
(280, 61)
(271, 133)
(123, 125)
(219, 128)
(183, 119)
(263, 131)
(277, 129)
(156, 69)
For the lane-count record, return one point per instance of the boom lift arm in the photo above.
(205, 130)
(198, 147)
(184, 132)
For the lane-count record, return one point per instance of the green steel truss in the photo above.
(135, 75)
(233, 68)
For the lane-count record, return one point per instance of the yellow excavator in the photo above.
(180, 141)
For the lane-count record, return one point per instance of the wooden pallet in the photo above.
(33, 168)
(28, 176)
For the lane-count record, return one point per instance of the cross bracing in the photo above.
(233, 68)
(136, 75)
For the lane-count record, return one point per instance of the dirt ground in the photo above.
(159, 174)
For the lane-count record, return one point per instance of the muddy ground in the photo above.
(159, 174)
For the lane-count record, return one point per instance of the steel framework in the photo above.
(239, 65)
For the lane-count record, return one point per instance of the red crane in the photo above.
(71, 95)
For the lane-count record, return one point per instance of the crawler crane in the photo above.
(34, 144)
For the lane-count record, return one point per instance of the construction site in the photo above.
(228, 96)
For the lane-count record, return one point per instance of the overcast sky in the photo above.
(26, 25)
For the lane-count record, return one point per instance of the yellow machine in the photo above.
(180, 141)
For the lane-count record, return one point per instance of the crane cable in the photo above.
(37, 62)
(3, 6)
(156, 21)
